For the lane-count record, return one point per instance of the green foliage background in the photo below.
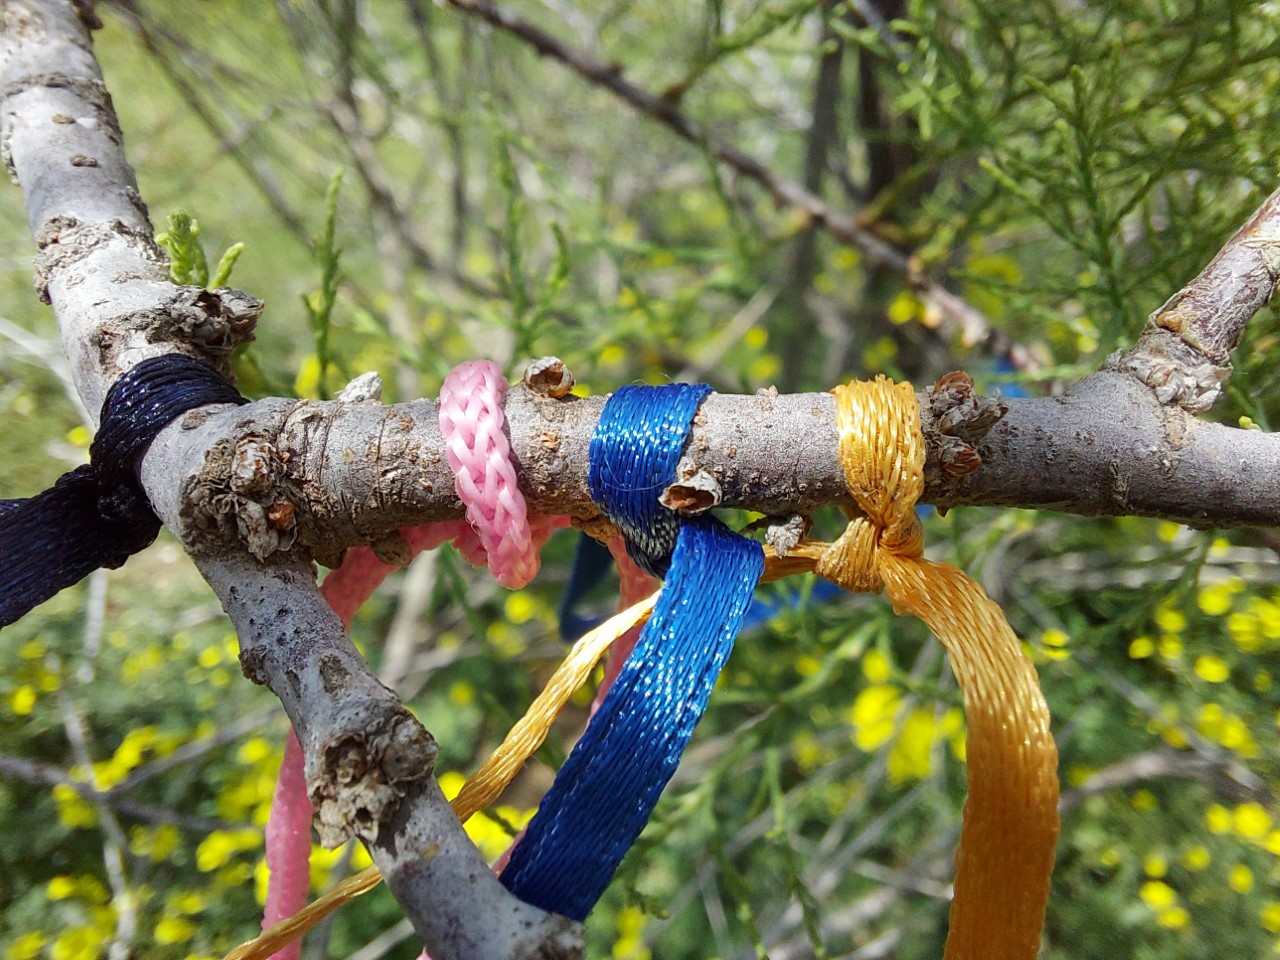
(1064, 166)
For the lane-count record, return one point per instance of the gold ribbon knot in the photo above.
(884, 471)
(1011, 816)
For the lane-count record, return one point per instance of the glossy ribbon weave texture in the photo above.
(634, 452)
(471, 422)
(98, 515)
(1011, 816)
(606, 790)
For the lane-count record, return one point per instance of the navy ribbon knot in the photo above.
(98, 514)
(606, 790)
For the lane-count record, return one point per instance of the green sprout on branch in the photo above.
(187, 263)
(319, 303)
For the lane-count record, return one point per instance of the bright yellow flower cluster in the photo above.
(133, 749)
(492, 833)
(76, 812)
(1053, 646)
(1249, 821)
(1256, 627)
(156, 843)
(83, 942)
(629, 944)
(247, 796)
(1162, 899)
(73, 810)
(1228, 729)
(218, 848)
(1254, 824)
(80, 939)
(26, 947)
(32, 679)
(879, 712)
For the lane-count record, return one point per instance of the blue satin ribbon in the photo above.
(606, 790)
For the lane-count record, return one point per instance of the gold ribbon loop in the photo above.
(1011, 817)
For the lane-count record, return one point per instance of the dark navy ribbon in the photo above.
(606, 790)
(592, 562)
(98, 515)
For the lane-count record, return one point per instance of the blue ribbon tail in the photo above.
(608, 787)
(591, 562)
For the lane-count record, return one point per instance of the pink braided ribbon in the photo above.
(498, 530)
(471, 421)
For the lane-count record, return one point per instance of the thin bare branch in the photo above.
(1228, 778)
(823, 130)
(226, 734)
(47, 775)
(114, 843)
(1184, 354)
(233, 145)
(972, 325)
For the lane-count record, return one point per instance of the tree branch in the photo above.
(973, 326)
(369, 762)
(46, 775)
(1227, 776)
(323, 476)
(1184, 351)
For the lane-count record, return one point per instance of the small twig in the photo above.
(229, 733)
(94, 619)
(47, 775)
(234, 147)
(49, 355)
(403, 634)
(385, 942)
(729, 335)
(1184, 351)
(973, 326)
(114, 844)
(1223, 774)
(1212, 756)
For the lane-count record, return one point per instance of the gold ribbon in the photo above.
(1011, 816)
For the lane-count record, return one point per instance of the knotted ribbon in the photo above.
(1011, 817)
(478, 451)
(603, 795)
(98, 515)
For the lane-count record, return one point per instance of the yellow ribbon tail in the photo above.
(484, 786)
(1005, 859)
